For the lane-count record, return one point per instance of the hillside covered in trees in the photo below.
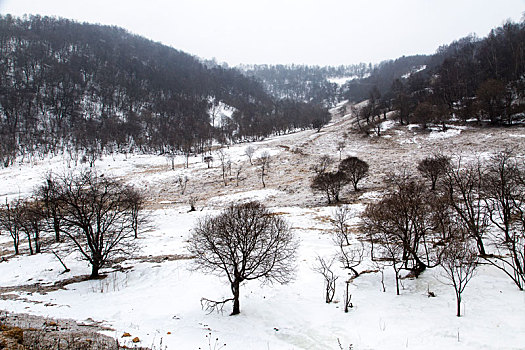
(321, 85)
(84, 89)
(471, 78)
(480, 79)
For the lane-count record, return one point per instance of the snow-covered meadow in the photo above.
(155, 295)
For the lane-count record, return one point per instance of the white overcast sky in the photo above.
(323, 32)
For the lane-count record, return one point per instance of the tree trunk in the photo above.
(235, 290)
(94, 271)
(397, 277)
(458, 303)
(56, 227)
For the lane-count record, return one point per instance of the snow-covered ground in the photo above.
(156, 295)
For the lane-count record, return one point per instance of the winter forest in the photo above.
(152, 199)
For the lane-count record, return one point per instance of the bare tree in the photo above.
(323, 164)
(463, 187)
(500, 190)
(341, 145)
(171, 158)
(223, 158)
(238, 174)
(459, 262)
(46, 194)
(384, 249)
(135, 203)
(97, 217)
(31, 219)
(245, 242)
(10, 221)
(433, 168)
(340, 223)
(324, 267)
(354, 169)
(330, 183)
(404, 218)
(183, 182)
(249, 152)
(263, 162)
(350, 255)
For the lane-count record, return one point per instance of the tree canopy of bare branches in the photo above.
(245, 242)
(459, 262)
(434, 167)
(330, 183)
(355, 170)
(98, 216)
(403, 218)
(263, 162)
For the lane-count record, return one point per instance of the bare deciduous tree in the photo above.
(46, 194)
(459, 262)
(384, 250)
(323, 164)
(10, 221)
(330, 183)
(263, 162)
(350, 255)
(463, 187)
(223, 158)
(505, 203)
(183, 182)
(340, 222)
(433, 168)
(354, 169)
(238, 174)
(245, 242)
(135, 202)
(249, 152)
(208, 160)
(324, 267)
(31, 218)
(404, 218)
(341, 145)
(97, 217)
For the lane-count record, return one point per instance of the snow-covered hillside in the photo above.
(155, 295)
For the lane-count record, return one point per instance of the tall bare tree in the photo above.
(264, 162)
(249, 151)
(245, 242)
(10, 221)
(463, 186)
(459, 262)
(97, 217)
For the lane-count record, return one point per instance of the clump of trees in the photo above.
(98, 215)
(245, 242)
(331, 183)
(472, 211)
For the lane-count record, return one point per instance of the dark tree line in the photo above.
(86, 89)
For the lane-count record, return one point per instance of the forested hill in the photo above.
(472, 79)
(321, 85)
(83, 88)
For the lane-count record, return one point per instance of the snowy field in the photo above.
(155, 295)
